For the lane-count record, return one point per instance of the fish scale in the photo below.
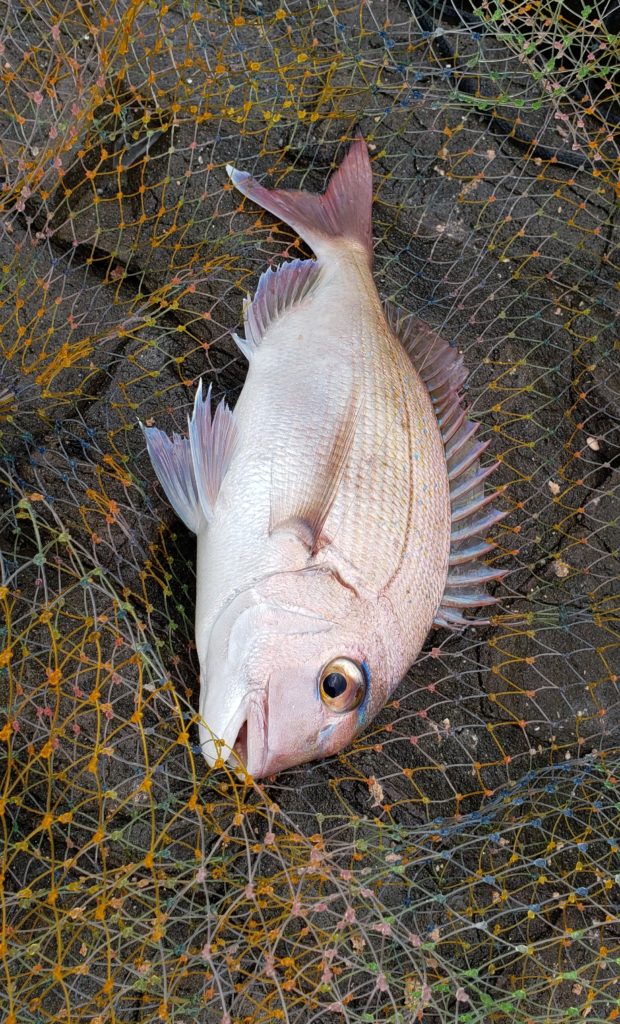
(340, 508)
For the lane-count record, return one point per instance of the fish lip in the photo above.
(252, 708)
(251, 756)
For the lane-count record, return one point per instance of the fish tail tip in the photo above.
(237, 177)
(358, 139)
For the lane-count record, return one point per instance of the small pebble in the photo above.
(593, 443)
(376, 791)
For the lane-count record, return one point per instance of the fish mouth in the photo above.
(249, 750)
(240, 746)
(242, 741)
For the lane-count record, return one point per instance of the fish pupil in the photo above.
(334, 684)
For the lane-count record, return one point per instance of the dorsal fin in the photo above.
(191, 469)
(441, 368)
(277, 291)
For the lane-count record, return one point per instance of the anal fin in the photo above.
(277, 291)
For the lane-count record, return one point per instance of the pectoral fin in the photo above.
(303, 504)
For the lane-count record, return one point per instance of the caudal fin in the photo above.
(342, 212)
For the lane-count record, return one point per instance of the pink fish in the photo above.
(340, 508)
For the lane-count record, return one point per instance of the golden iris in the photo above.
(342, 684)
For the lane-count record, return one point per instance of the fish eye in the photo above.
(342, 684)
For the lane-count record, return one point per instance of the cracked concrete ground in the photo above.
(121, 286)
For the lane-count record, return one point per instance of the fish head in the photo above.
(291, 677)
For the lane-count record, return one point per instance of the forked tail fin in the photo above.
(342, 212)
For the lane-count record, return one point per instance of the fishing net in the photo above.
(461, 860)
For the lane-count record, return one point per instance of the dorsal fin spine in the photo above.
(442, 369)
